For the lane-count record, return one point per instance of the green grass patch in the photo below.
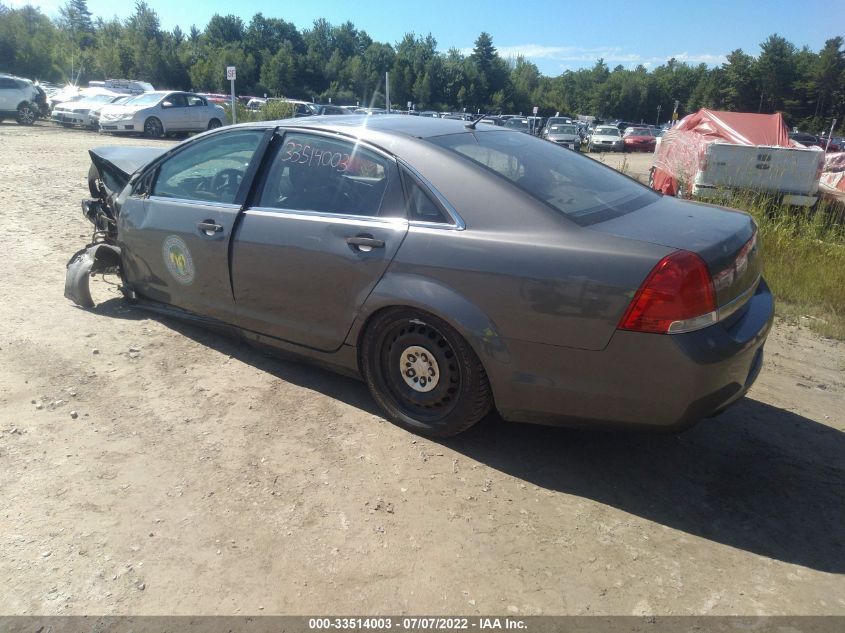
(803, 260)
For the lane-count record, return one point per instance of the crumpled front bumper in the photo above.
(94, 258)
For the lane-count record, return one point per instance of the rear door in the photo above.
(176, 226)
(327, 219)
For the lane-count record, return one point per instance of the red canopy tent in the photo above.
(681, 150)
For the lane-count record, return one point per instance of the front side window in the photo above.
(582, 189)
(177, 100)
(195, 100)
(211, 169)
(317, 173)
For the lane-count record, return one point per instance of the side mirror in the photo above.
(166, 104)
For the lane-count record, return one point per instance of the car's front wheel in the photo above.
(153, 128)
(26, 114)
(423, 374)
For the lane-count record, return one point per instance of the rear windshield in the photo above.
(582, 189)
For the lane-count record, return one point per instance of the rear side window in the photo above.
(6, 83)
(327, 175)
(419, 204)
(578, 187)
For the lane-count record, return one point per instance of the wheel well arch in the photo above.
(401, 291)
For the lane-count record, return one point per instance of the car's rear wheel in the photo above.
(153, 128)
(26, 114)
(214, 124)
(423, 374)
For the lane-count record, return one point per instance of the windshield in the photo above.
(607, 131)
(582, 189)
(563, 129)
(638, 131)
(148, 98)
(517, 123)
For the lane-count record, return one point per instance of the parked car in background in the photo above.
(94, 113)
(810, 140)
(452, 269)
(155, 114)
(21, 99)
(73, 113)
(638, 139)
(565, 134)
(518, 123)
(553, 120)
(328, 108)
(834, 144)
(606, 138)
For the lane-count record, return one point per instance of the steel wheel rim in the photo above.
(437, 398)
(419, 369)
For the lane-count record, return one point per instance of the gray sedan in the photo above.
(454, 268)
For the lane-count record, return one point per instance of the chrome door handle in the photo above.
(209, 227)
(364, 244)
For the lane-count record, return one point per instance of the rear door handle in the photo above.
(365, 244)
(209, 227)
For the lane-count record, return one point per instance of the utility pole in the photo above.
(657, 121)
(829, 134)
(387, 91)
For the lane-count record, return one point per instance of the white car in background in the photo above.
(606, 138)
(78, 112)
(155, 114)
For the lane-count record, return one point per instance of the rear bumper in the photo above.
(646, 381)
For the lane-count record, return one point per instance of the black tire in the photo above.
(214, 124)
(651, 178)
(93, 176)
(26, 114)
(153, 128)
(461, 395)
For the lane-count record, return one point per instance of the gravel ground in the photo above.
(149, 467)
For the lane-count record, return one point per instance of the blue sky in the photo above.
(556, 35)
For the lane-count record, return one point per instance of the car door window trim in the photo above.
(343, 218)
(457, 223)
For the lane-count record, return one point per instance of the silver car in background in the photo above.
(155, 114)
(606, 138)
(565, 134)
(71, 113)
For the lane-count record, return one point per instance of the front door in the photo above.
(326, 222)
(175, 230)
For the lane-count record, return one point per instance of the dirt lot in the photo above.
(149, 467)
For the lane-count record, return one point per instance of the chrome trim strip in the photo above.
(457, 224)
(740, 300)
(717, 316)
(342, 218)
(203, 203)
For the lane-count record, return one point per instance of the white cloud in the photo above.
(611, 55)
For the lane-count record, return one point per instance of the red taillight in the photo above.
(677, 296)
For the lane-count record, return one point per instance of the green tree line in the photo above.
(344, 64)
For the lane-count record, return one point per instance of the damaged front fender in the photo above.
(94, 258)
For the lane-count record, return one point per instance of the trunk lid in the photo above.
(724, 239)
